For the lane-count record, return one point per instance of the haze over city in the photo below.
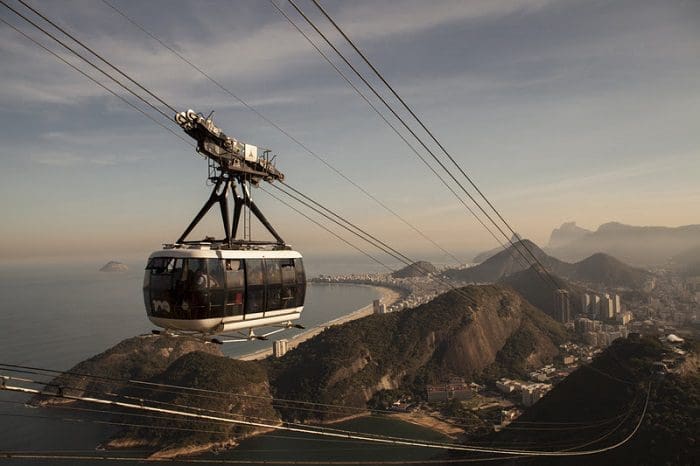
(560, 110)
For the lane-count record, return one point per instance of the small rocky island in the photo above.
(114, 266)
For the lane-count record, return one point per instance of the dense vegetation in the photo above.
(341, 362)
(601, 404)
(350, 364)
(244, 392)
(511, 360)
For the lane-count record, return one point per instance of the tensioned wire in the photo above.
(408, 128)
(398, 133)
(106, 74)
(157, 387)
(277, 126)
(326, 433)
(432, 136)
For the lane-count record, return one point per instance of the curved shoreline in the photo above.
(388, 296)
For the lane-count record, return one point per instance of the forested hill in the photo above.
(460, 333)
(600, 405)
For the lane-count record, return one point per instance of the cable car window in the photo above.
(235, 284)
(157, 286)
(158, 265)
(217, 292)
(255, 301)
(254, 272)
(273, 280)
(215, 271)
(234, 302)
(301, 281)
(288, 274)
(289, 289)
(195, 301)
(255, 286)
(234, 273)
(273, 272)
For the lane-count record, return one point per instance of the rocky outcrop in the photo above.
(137, 358)
(225, 388)
(460, 333)
(637, 245)
(567, 233)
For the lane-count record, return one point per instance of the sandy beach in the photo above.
(430, 422)
(388, 297)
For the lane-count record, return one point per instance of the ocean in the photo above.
(56, 315)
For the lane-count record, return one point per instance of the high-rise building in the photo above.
(606, 310)
(617, 305)
(562, 305)
(279, 348)
(595, 306)
(585, 303)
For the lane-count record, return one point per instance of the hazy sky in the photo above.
(560, 110)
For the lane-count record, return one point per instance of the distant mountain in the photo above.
(565, 234)
(598, 269)
(114, 266)
(417, 269)
(503, 263)
(602, 404)
(639, 245)
(530, 285)
(688, 262)
(479, 258)
(605, 269)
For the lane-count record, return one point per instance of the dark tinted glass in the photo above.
(254, 272)
(288, 273)
(301, 282)
(255, 301)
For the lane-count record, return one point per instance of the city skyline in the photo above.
(560, 111)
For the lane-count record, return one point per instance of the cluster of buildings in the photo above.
(415, 290)
(594, 307)
(603, 307)
(454, 389)
(530, 392)
(597, 333)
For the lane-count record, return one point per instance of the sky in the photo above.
(559, 110)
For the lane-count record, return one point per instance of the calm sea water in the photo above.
(58, 315)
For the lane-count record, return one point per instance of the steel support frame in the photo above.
(224, 186)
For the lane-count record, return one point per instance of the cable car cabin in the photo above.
(214, 291)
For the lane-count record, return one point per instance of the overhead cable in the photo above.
(285, 132)
(135, 107)
(108, 63)
(412, 132)
(393, 441)
(430, 133)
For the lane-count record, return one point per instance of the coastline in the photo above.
(388, 297)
